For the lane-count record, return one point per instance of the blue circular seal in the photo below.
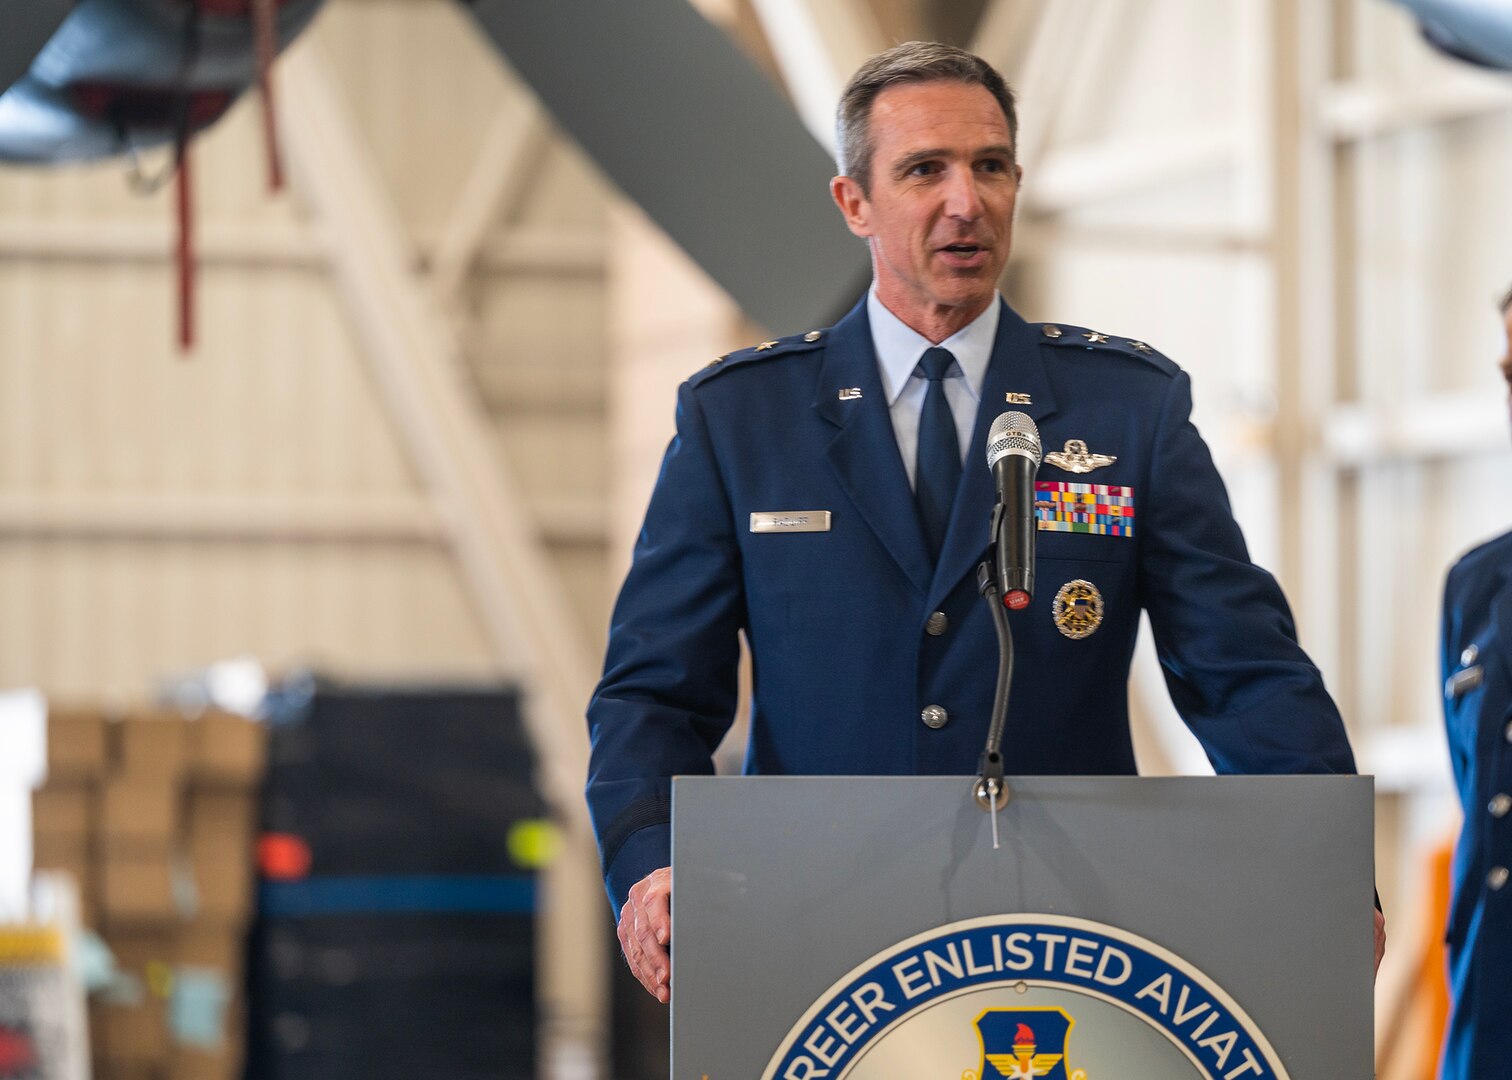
(1013, 997)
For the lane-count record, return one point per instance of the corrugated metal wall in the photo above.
(159, 512)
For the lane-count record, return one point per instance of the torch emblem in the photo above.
(1024, 1044)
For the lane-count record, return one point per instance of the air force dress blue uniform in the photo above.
(1478, 713)
(783, 510)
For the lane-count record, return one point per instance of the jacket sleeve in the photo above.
(1223, 631)
(668, 692)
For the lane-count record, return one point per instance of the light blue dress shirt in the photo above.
(899, 348)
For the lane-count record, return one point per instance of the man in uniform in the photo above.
(815, 499)
(1477, 663)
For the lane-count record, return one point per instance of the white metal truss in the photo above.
(511, 149)
(383, 518)
(818, 44)
(417, 367)
(1357, 110)
(515, 249)
(1039, 71)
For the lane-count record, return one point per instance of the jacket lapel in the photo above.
(1017, 366)
(864, 451)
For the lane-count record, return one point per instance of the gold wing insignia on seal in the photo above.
(1076, 459)
(1015, 1067)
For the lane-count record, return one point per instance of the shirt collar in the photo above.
(899, 346)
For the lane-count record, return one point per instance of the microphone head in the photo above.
(1013, 433)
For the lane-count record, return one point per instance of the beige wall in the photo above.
(303, 533)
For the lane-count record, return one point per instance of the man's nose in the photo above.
(962, 199)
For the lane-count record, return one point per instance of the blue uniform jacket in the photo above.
(1478, 713)
(837, 621)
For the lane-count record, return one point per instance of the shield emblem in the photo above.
(1020, 1044)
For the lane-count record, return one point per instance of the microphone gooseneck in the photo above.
(1006, 578)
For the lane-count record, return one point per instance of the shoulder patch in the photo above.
(1066, 336)
(766, 350)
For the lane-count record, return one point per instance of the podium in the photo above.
(861, 928)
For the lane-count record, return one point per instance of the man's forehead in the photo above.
(927, 113)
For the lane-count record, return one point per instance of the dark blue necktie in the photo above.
(939, 463)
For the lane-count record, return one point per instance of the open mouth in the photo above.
(964, 256)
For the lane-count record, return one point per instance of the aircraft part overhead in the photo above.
(27, 24)
(688, 127)
(120, 75)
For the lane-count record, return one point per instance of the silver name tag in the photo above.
(780, 521)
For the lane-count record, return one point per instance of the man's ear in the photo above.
(853, 205)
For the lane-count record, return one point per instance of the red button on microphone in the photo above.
(1016, 600)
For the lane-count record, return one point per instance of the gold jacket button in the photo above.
(1470, 655)
(936, 624)
(934, 717)
(1500, 804)
(1497, 877)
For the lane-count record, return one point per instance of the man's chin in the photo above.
(981, 292)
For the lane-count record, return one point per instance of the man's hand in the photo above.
(1380, 939)
(645, 928)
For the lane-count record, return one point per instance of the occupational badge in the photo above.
(1075, 458)
(1078, 609)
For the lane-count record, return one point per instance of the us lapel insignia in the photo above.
(1078, 609)
(850, 393)
(1075, 458)
(1018, 399)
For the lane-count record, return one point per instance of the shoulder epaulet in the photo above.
(1490, 549)
(767, 350)
(1079, 337)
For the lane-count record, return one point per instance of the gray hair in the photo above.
(912, 61)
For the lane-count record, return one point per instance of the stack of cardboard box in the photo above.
(155, 815)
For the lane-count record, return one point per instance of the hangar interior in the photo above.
(433, 378)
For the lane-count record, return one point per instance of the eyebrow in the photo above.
(908, 162)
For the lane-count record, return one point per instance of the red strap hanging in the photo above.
(187, 110)
(265, 39)
(183, 188)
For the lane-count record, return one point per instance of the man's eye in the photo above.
(923, 168)
(992, 165)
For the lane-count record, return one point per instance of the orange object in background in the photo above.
(1424, 999)
(1433, 977)
(283, 856)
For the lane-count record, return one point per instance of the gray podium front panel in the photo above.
(784, 886)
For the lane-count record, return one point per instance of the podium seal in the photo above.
(1015, 997)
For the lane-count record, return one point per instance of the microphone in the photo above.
(1014, 455)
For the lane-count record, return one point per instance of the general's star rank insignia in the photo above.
(1075, 458)
(1078, 609)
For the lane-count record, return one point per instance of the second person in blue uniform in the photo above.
(795, 505)
(1477, 666)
